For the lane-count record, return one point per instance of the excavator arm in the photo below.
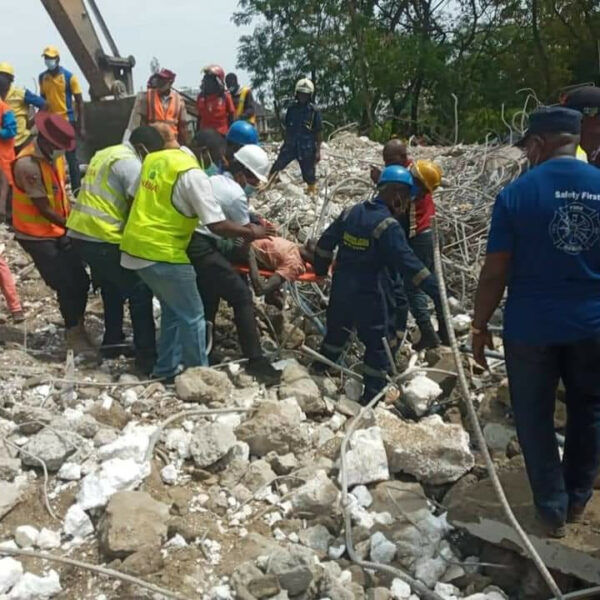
(107, 75)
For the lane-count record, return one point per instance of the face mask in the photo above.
(249, 190)
(51, 63)
(210, 169)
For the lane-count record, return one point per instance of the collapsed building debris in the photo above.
(219, 488)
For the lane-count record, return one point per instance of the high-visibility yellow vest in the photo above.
(101, 211)
(155, 229)
(16, 100)
(581, 154)
(239, 111)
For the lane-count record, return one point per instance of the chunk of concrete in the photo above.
(382, 550)
(26, 536)
(274, 427)
(203, 385)
(133, 521)
(292, 570)
(77, 522)
(33, 587)
(47, 446)
(11, 571)
(432, 451)
(420, 393)
(316, 496)
(366, 461)
(307, 393)
(210, 443)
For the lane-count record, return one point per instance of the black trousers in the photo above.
(61, 267)
(118, 285)
(218, 279)
(533, 375)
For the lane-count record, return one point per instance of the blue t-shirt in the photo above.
(549, 220)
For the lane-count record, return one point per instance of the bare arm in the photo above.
(43, 205)
(492, 283)
(262, 286)
(248, 232)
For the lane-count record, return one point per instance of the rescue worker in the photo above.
(215, 105)
(427, 176)
(242, 99)
(370, 241)
(303, 136)
(40, 211)
(59, 88)
(173, 196)
(544, 244)
(586, 100)
(240, 134)
(8, 131)
(20, 100)
(160, 103)
(96, 226)
(217, 278)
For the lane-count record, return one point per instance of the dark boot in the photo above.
(443, 334)
(263, 371)
(429, 338)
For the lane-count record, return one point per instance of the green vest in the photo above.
(100, 211)
(156, 230)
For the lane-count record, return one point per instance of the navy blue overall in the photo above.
(371, 244)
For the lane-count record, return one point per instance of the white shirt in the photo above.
(192, 196)
(124, 178)
(232, 199)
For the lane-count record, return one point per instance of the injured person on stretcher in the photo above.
(282, 259)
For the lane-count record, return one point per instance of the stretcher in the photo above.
(304, 292)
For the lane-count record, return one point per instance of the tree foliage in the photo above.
(396, 66)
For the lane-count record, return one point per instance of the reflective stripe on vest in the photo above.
(241, 107)
(101, 211)
(27, 218)
(156, 110)
(155, 229)
(581, 154)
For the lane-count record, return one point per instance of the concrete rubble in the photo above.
(249, 504)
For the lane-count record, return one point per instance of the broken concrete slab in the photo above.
(432, 451)
(48, 447)
(477, 510)
(366, 460)
(210, 443)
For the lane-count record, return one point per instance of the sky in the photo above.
(184, 35)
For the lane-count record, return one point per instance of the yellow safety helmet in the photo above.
(51, 52)
(428, 173)
(7, 69)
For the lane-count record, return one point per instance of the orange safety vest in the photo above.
(27, 218)
(7, 147)
(157, 113)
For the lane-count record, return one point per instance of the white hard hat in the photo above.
(306, 86)
(255, 159)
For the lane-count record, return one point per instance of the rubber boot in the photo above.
(311, 189)
(263, 371)
(443, 334)
(429, 338)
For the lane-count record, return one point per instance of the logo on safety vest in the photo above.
(575, 228)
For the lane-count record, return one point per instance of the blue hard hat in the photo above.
(396, 174)
(242, 133)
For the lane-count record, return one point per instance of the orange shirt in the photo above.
(281, 256)
(215, 112)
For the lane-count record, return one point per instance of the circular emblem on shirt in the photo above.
(575, 228)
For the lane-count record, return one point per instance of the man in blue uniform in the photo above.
(370, 241)
(544, 243)
(303, 136)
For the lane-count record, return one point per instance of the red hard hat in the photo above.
(166, 74)
(217, 71)
(57, 130)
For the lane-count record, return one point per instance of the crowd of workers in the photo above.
(167, 215)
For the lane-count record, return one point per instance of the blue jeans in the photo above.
(533, 375)
(182, 327)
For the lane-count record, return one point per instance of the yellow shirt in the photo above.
(54, 89)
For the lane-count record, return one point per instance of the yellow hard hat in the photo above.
(51, 52)
(428, 173)
(7, 69)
